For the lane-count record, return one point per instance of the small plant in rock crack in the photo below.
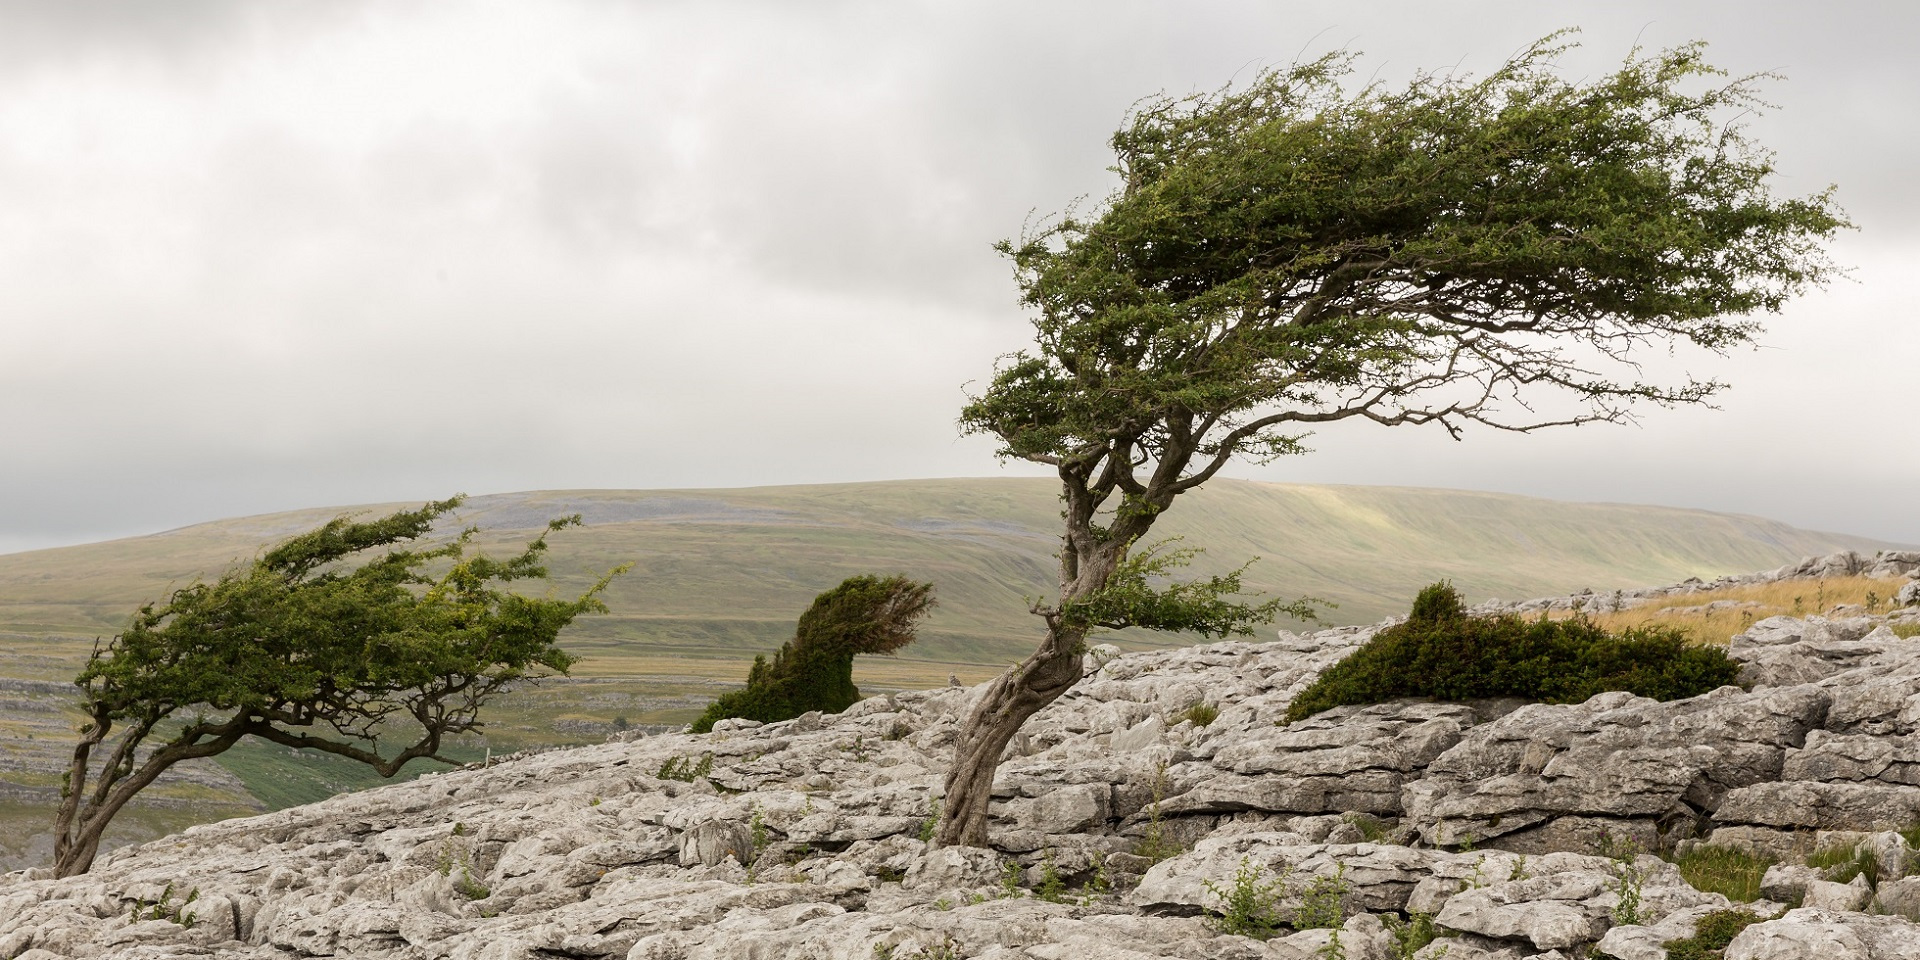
(455, 858)
(1333, 949)
(1097, 886)
(1628, 877)
(1411, 934)
(1478, 878)
(684, 769)
(932, 822)
(1201, 714)
(1010, 880)
(757, 825)
(1248, 905)
(1053, 888)
(946, 949)
(1712, 933)
(1370, 827)
(1323, 903)
(165, 909)
(1155, 845)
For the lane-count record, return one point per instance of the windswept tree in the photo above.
(1460, 252)
(814, 670)
(304, 649)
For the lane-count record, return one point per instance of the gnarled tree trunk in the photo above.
(1014, 696)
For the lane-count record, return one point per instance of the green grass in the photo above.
(283, 778)
(1732, 873)
(1841, 864)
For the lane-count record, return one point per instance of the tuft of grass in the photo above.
(1841, 864)
(1905, 631)
(1711, 934)
(1734, 874)
(1201, 714)
(1370, 827)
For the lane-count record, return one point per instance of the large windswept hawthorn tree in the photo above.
(1497, 251)
(305, 649)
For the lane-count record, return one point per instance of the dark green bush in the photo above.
(814, 670)
(1443, 653)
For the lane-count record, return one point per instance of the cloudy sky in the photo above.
(259, 256)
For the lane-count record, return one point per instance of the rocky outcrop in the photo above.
(1144, 805)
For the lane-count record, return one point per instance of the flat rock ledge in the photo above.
(807, 838)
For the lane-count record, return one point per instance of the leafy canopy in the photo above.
(1299, 251)
(301, 639)
(306, 649)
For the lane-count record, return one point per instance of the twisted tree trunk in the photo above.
(1016, 695)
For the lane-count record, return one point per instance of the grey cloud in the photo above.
(730, 244)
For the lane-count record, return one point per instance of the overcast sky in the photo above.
(259, 256)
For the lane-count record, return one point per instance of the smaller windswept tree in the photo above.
(304, 649)
(814, 670)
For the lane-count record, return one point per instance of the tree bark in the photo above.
(1014, 696)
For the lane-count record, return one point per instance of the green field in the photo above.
(720, 575)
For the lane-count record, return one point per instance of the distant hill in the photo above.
(720, 575)
(723, 573)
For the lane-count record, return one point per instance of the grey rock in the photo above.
(1615, 756)
(1821, 806)
(1829, 935)
(1900, 897)
(1827, 895)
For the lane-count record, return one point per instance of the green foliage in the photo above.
(1155, 845)
(1248, 906)
(1730, 872)
(814, 670)
(685, 769)
(1323, 902)
(1299, 250)
(1139, 594)
(1711, 935)
(757, 826)
(165, 909)
(932, 821)
(1411, 934)
(1010, 880)
(1441, 652)
(1629, 878)
(1201, 714)
(1370, 827)
(1052, 888)
(1841, 864)
(315, 645)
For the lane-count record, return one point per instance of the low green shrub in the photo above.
(1441, 652)
(814, 670)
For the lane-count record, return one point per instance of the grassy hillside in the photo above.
(720, 575)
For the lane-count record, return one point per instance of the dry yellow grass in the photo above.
(1714, 616)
